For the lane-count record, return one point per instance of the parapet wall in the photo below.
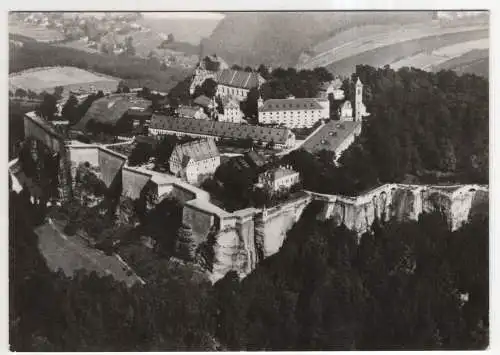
(402, 202)
(246, 237)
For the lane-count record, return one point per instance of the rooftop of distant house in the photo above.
(220, 129)
(239, 79)
(279, 172)
(290, 104)
(331, 136)
(110, 109)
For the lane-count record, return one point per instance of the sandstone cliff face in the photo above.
(232, 253)
(404, 202)
(248, 238)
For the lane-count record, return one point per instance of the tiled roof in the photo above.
(220, 129)
(111, 109)
(278, 173)
(196, 150)
(238, 78)
(331, 136)
(290, 104)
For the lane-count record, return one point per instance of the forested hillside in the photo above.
(278, 38)
(137, 72)
(50, 312)
(424, 127)
(413, 285)
(408, 286)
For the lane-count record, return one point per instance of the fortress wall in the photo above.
(36, 128)
(111, 164)
(182, 194)
(200, 222)
(272, 225)
(133, 182)
(82, 154)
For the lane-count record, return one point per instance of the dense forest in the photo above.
(405, 286)
(136, 72)
(412, 285)
(423, 127)
(88, 313)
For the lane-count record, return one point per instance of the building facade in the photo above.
(232, 112)
(293, 113)
(194, 161)
(280, 137)
(236, 84)
(345, 111)
(281, 178)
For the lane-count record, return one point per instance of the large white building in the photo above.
(195, 160)
(293, 113)
(281, 178)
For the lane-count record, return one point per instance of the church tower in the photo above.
(359, 101)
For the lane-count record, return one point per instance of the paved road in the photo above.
(71, 253)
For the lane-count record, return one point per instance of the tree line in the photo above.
(411, 285)
(423, 128)
(406, 286)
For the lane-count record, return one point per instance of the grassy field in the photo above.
(392, 53)
(475, 61)
(428, 60)
(36, 32)
(389, 37)
(80, 45)
(71, 78)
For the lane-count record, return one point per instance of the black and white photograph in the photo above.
(270, 180)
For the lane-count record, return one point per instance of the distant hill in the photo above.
(189, 28)
(278, 39)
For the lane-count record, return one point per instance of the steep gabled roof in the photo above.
(196, 150)
(220, 129)
(239, 79)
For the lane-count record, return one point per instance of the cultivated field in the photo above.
(475, 61)
(71, 78)
(396, 52)
(38, 33)
(386, 37)
(427, 60)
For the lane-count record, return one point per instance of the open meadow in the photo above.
(430, 59)
(37, 33)
(71, 78)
